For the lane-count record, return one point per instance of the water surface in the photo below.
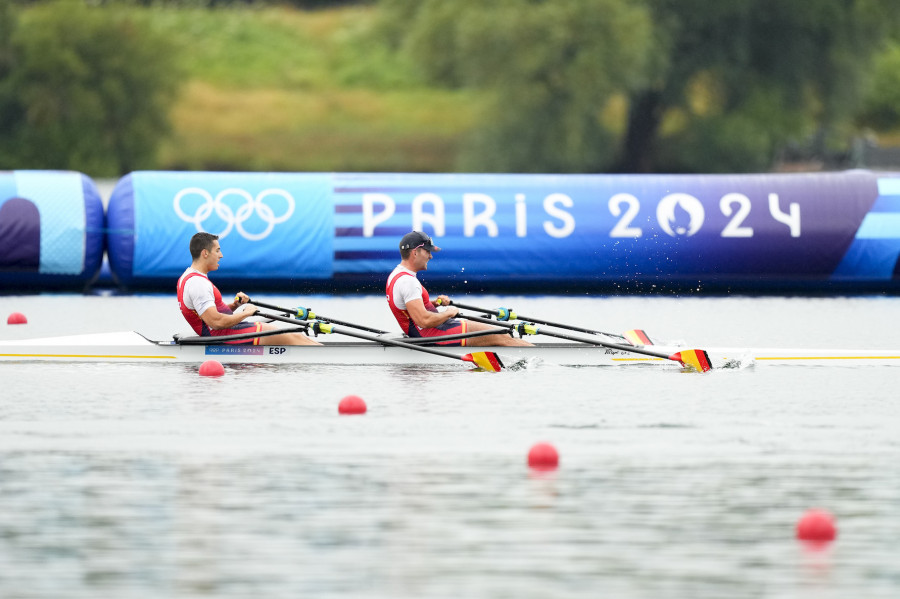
(147, 480)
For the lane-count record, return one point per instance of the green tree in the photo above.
(86, 88)
(549, 69)
(10, 111)
(708, 86)
(769, 71)
(882, 104)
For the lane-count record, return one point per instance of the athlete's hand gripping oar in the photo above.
(485, 360)
(308, 314)
(697, 359)
(635, 337)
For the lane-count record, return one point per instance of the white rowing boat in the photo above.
(130, 346)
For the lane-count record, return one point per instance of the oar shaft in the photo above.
(467, 335)
(319, 316)
(210, 340)
(537, 320)
(570, 327)
(293, 321)
(352, 333)
(383, 341)
(627, 348)
(350, 324)
(270, 306)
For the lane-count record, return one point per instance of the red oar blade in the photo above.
(637, 337)
(697, 359)
(486, 360)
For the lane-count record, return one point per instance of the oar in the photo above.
(635, 336)
(697, 359)
(485, 360)
(301, 327)
(454, 337)
(308, 314)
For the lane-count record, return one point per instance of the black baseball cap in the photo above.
(417, 239)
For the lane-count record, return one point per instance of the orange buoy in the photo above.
(16, 318)
(352, 404)
(543, 456)
(816, 525)
(212, 368)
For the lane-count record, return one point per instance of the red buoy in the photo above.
(212, 368)
(352, 404)
(16, 318)
(543, 456)
(816, 525)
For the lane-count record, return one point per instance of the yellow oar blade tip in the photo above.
(697, 359)
(485, 360)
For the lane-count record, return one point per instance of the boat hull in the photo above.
(133, 347)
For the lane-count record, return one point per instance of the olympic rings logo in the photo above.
(234, 219)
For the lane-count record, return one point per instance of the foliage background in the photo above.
(447, 85)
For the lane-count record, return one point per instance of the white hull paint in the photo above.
(133, 347)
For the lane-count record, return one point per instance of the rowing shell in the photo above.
(133, 347)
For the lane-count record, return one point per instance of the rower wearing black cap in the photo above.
(413, 309)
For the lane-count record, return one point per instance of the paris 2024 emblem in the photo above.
(680, 215)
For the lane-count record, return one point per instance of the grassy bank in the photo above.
(289, 90)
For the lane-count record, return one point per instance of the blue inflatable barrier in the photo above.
(546, 233)
(51, 231)
(274, 228)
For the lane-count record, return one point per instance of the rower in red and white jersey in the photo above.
(412, 307)
(202, 306)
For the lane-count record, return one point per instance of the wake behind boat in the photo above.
(129, 346)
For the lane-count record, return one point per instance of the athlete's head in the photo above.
(202, 241)
(415, 240)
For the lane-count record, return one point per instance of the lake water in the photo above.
(149, 481)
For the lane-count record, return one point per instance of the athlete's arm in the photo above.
(425, 319)
(216, 320)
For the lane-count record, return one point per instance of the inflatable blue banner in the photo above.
(51, 230)
(545, 232)
(270, 225)
(625, 229)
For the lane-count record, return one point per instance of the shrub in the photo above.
(84, 88)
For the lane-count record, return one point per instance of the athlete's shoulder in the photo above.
(200, 282)
(398, 271)
(192, 273)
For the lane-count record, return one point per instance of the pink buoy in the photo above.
(543, 456)
(816, 525)
(352, 404)
(212, 368)
(16, 318)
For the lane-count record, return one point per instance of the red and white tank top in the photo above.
(190, 315)
(403, 319)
